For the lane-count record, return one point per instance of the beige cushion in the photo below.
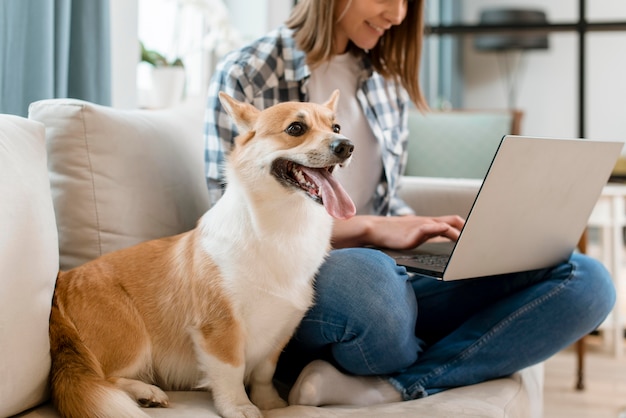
(120, 177)
(29, 263)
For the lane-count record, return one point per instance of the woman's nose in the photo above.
(396, 11)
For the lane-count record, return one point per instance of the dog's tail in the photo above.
(79, 387)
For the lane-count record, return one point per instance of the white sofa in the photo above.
(78, 180)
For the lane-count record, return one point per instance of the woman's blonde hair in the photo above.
(397, 55)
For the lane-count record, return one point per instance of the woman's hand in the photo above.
(395, 232)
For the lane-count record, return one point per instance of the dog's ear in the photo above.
(244, 115)
(332, 102)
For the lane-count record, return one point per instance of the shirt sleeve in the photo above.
(397, 206)
(219, 130)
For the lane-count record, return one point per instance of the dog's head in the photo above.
(299, 144)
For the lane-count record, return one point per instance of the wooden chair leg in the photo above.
(580, 354)
(582, 243)
(580, 344)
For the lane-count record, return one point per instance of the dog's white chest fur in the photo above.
(266, 261)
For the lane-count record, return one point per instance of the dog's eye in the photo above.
(336, 128)
(296, 129)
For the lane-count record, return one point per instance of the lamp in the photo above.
(508, 45)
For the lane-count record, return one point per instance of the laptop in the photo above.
(529, 213)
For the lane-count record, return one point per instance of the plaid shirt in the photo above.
(272, 70)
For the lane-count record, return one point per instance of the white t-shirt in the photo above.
(361, 177)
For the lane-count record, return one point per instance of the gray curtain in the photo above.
(53, 49)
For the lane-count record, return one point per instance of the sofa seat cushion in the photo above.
(120, 177)
(517, 396)
(436, 196)
(29, 263)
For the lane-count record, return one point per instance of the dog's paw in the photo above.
(152, 397)
(146, 395)
(153, 401)
(241, 411)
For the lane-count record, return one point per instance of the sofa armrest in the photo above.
(436, 196)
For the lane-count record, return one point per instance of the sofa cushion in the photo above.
(436, 196)
(28, 264)
(120, 177)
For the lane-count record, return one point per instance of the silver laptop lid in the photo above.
(533, 205)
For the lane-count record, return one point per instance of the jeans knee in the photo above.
(596, 291)
(367, 284)
(376, 307)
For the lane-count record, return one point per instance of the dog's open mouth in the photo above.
(318, 183)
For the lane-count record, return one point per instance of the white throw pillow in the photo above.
(29, 263)
(120, 177)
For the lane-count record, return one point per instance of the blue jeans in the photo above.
(426, 336)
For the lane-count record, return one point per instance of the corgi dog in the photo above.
(211, 308)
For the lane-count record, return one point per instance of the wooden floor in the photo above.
(604, 395)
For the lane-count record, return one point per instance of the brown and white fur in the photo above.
(213, 307)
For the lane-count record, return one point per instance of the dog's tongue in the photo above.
(336, 201)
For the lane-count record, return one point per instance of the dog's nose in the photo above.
(342, 148)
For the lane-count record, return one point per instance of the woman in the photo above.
(384, 335)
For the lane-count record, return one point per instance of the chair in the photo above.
(457, 144)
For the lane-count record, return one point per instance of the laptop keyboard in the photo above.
(432, 260)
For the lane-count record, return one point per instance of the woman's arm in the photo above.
(397, 232)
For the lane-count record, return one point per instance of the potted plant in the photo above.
(164, 80)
